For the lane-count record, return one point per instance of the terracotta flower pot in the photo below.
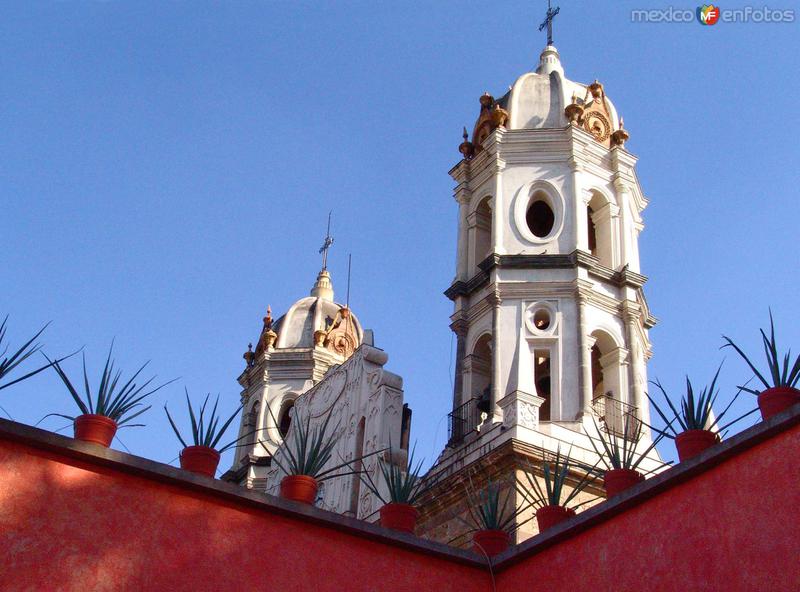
(490, 542)
(692, 442)
(774, 400)
(299, 488)
(202, 460)
(549, 516)
(98, 429)
(402, 517)
(618, 480)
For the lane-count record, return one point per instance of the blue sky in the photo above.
(167, 168)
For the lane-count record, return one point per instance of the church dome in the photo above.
(538, 99)
(314, 321)
(546, 99)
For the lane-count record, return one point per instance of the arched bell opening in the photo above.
(250, 430)
(600, 233)
(480, 222)
(481, 366)
(285, 417)
(541, 374)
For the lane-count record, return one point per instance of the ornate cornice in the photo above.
(622, 278)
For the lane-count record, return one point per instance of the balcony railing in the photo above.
(617, 417)
(463, 420)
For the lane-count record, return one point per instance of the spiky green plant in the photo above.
(308, 450)
(556, 473)
(781, 374)
(491, 508)
(621, 453)
(9, 363)
(206, 430)
(696, 412)
(120, 402)
(404, 486)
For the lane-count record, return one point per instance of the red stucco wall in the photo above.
(70, 526)
(734, 527)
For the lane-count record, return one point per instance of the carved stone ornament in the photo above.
(341, 337)
(521, 409)
(574, 111)
(268, 337)
(619, 137)
(249, 356)
(466, 148)
(597, 124)
(491, 117)
(596, 116)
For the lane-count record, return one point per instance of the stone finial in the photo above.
(574, 111)
(596, 89)
(270, 337)
(466, 148)
(266, 342)
(249, 356)
(499, 116)
(619, 137)
(323, 288)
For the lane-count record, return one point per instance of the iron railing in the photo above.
(463, 420)
(616, 417)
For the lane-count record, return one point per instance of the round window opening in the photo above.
(540, 218)
(541, 319)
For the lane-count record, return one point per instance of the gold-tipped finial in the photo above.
(499, 116)
(574, 111)
(466, 148)
(619, 137)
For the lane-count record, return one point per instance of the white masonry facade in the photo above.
(549, 314)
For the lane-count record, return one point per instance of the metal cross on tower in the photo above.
(327, 244)
(548, 22)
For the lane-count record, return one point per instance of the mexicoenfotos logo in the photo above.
(707, 14)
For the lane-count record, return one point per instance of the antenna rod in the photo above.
(349, 262)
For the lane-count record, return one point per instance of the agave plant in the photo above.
(492, 508)
(114, 400)
(621, 453)
(556, 473)
(9, 363)
(782, 373)
(308, 450)
(696, 412)
(206, 430)
(405, 487)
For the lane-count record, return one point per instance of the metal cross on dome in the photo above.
(548, 22)
(327, 244)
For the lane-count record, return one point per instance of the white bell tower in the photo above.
(549, 311)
